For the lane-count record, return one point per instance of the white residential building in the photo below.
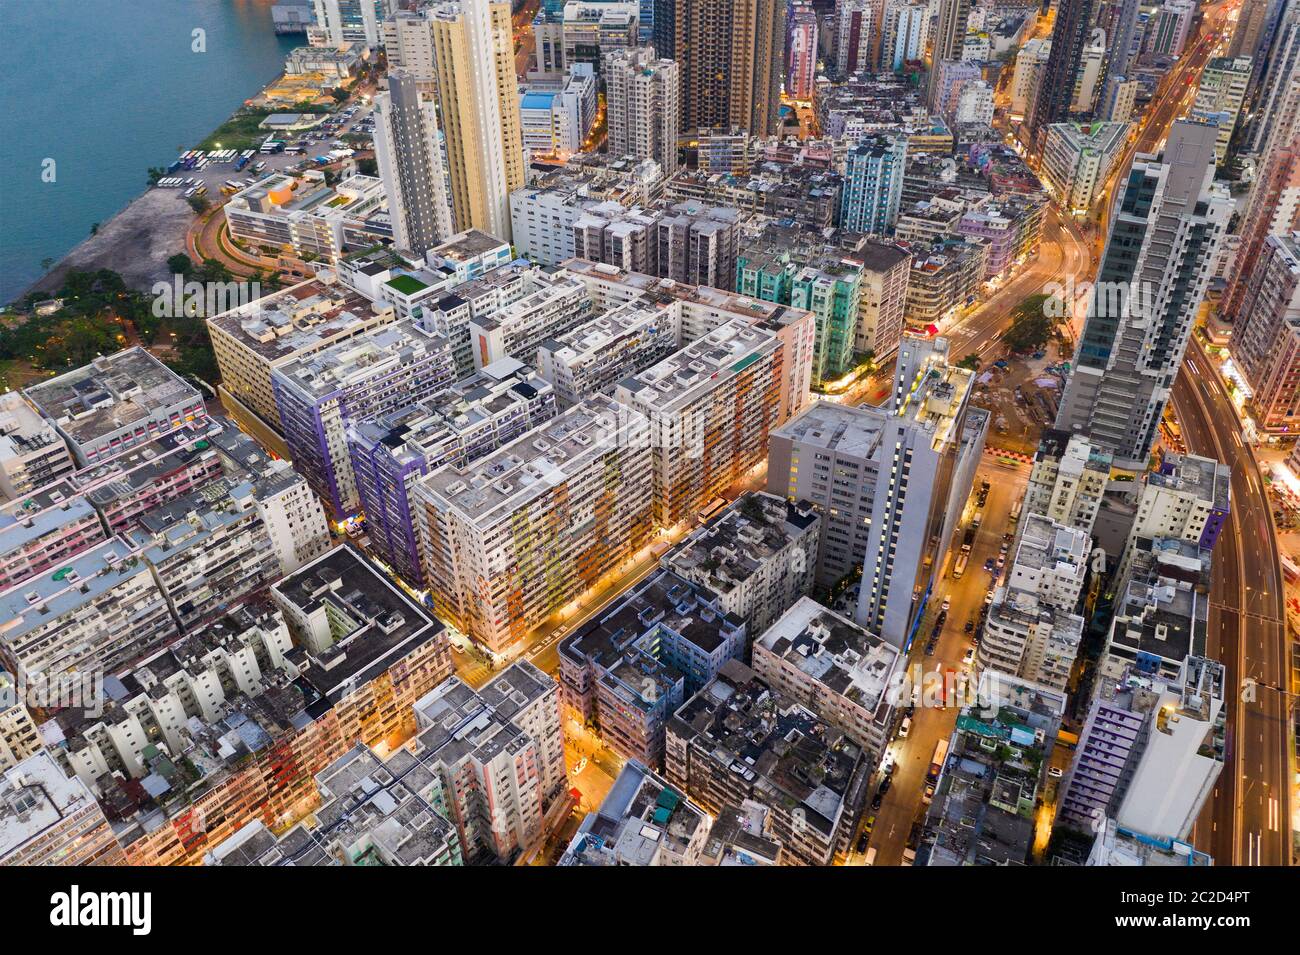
(835, 668)
(1033, 631)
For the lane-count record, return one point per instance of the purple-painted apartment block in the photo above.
(319, 396)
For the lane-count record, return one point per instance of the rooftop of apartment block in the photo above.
(110, 393)
(22, 429)
(838, 654)
(638, 817)
(1206, 478)
(301, 318)
(78, 581)
(663, 599)
(685, 377)
(412, 432)
(382, 619)
(36, 796)
(779, 748)
(378, 351)
(492, 487)
(743, 538)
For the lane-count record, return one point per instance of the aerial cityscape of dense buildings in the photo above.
(685, 433)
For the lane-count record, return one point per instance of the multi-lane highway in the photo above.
(1247, 821)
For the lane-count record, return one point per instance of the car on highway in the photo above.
(947, 602)
(1055, 772)
(969, 659)
(905, 728)
(970, 625)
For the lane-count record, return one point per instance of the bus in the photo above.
(936, 761)
(710, 509)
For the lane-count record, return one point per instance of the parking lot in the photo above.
(313, 142)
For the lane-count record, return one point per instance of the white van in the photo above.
(871, 856)
(904, 729)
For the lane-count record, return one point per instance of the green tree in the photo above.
(198, 203)
(180, 264)
(971, 361)
(1033, 322)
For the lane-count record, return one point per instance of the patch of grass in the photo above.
(243, 130)
(17, 374)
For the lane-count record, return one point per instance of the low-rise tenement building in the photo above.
(48, 819)
(1162, 607)
(96, 613)
(124, 488)
(371, 812)
(496, 755)
(43, 530)
(32, 453)
(207, 550)
(19, 737)
(1150, 751)
(1033, 630)
(592, 358)
(1185, 496)
(252, 341)
(625, 671)
(759, 556)
(115, 402)
(363, 654)
(807, 194)
(291, 512)
(707, 411)
(391, 452)
(1068, 480)
(643, 821)
(946, 274)
(304, 213)
(147, 709)
(511, 538)
(986, 801)
(366, 376)
(1078, 159)
(408, 281)
(550, 304)
(738, 739)
(542, 214)
(844, 674)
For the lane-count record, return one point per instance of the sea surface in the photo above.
(106, 89)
